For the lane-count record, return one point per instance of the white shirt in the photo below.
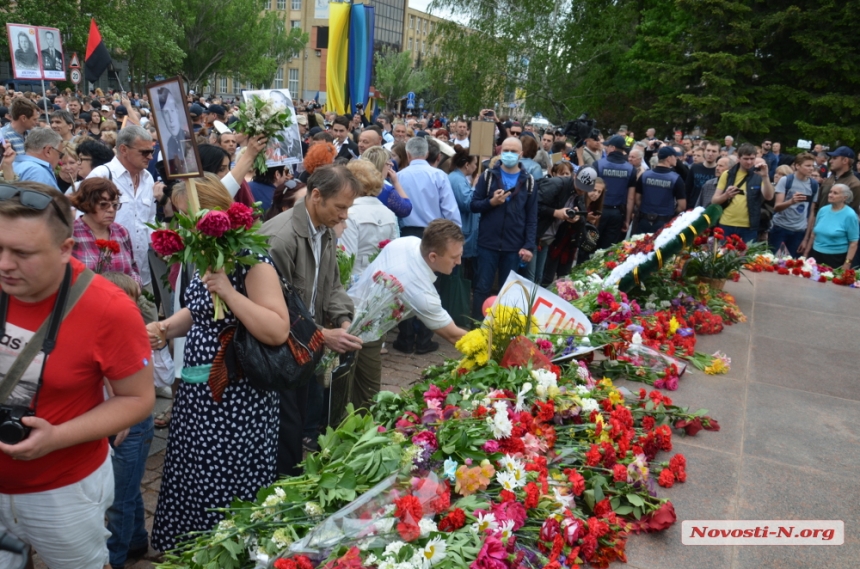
(316, 246)
(369, 222)
(138, 209)
(402, 259)
(463, 143)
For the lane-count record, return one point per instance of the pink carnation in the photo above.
(490, 446)
(166, 242)
(240, 216)
(425, 439)
(214, 224)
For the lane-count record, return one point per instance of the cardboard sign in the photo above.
(557, 157)
(482, 140)
(552, 313)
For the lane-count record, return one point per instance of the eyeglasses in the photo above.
(147, 153)
(109, 205)
(32, 199)
(82, 160)
(515, 133)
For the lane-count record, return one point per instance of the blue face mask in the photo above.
(510, 159)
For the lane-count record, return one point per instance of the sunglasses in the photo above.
(109, 205)
(515, 133)
(147, 153)
(32, 199)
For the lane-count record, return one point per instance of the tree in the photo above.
(233, 37)
(395, 76)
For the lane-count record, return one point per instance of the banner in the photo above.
(288, 150)
(36, 52)
(360, 55)
(336, 65)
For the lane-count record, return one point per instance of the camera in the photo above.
(571, 212)
(580, 128)
(12, 430)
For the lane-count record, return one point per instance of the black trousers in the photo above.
(644, 225)
(290, 430)
(610, 227)
(412, 332)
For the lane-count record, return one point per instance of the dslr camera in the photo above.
(12, 430)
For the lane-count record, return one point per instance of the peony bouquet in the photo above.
(380, 309)
(262, 117)
(212, 240)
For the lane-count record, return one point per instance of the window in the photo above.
(223, 86)
(410, 45)
(411, 22)
(265, 4)
(279, 79)
(417, 46)
(295, 24)
(296, 5)
(282, 4)
(293, 84)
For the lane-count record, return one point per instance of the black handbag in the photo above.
(284, 367)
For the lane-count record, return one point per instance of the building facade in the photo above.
(418, 36)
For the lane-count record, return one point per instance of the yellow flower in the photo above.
(615, 397)
(606, 382)
(673, 326)
(718, 366)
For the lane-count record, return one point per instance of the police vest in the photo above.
(657, 192)
(617, 179)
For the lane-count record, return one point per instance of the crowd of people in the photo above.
(84, 183)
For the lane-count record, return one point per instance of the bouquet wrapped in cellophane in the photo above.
(262, 117)
(380, 310)
(212, 240)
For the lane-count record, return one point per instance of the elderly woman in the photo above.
(369, 222)
(98, 199)
(223, 440)
(834, 236)
(68, 167)
(392, 195)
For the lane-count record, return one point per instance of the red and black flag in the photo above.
(97, 57)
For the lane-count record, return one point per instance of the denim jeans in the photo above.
(489, 263)
(539, 259)
(126, 515)
(745, 233)
(779, 235)
(315, 409)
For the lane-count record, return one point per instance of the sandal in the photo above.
(162, 420)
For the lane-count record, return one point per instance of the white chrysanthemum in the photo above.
(547, 382)
(506, 480)
(434, 551)
(393, 548)
(384, 525)
(581, 390)
(506, 530)
(313, 510)
(371, 559)
(427, 526)
(501, 425)
(282, 538)
(588, 405)
(387, 564)
(486, 521)
(521, 397)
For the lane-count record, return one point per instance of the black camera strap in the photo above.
(45, 338)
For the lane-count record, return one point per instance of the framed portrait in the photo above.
(24, 51)
(51, 54)
(289, 150)
(174, 128)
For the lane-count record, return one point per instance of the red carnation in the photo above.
(383, 243)
(285, 564)
(666, 479)
(408, 531)
(592, 457)
(577, 482)
(214, 224)
(619, 473)
(240, 216)
(532, 495)
(507, 496)
(108, 245)
(166, 242)
(303, 562)
(648, 422)
(408, 509)
(453, 521)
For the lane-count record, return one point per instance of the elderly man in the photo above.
(138, 192)
(505, 197)
(368, 138)
(57, 483)
(413, 262)
(400, 134)
(636, 158)
(41, 158)
(728, 148)
(302, 244)
(431, 195)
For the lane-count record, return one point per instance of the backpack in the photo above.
(789, 180)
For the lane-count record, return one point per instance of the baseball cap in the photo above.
(195, 110)
(107, 109)
(622, 127)
(121, 111)
(302, 120)
(617, 141)
(585, 178)
(843, 151)
(217, 109)
(666, 151)
(221, 128)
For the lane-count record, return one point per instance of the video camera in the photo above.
(580, 128)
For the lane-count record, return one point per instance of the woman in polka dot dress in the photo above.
(218, 450)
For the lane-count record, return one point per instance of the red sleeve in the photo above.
(123, 346)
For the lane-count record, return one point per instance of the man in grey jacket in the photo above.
(303, 247)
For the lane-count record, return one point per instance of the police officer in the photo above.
(660, 193)
(620, 179)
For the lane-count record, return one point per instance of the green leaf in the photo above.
(589, 498)
(635, 499)
(623, 510)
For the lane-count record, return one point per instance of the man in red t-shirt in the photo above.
(56, 484)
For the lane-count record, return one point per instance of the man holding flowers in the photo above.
(302, 244)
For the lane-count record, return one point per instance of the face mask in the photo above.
(510, 159)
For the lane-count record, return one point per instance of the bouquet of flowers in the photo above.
(379, 311)
(212, 240)
(720, 256)
(263, 117)
(345, 262)
(107, 249)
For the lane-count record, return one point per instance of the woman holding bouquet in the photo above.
(224, 434)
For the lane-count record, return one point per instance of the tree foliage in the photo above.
(395, 76)
(740, 67)
(229, 37)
